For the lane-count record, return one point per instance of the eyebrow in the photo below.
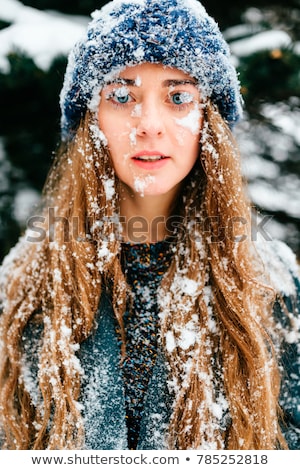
(165, 84)
(121, 81)
(174, 82)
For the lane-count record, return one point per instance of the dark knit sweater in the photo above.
(144, 266)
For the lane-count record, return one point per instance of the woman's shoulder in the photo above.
(281, 266)
(9, 267)
(282, 274)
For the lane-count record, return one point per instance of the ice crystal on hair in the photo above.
(57, 277)
(188, 335)
(29, 379)
(104, 256)
(95, 99)
(98, 136)
(170, 341)
(189, 286)
(109, 188)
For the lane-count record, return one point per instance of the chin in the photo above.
(154, 192)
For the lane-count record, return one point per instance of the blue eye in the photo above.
(122, 99)
(177, 98)
(182, 98)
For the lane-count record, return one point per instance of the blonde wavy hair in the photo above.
(58, 281)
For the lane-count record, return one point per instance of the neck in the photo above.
(144, 218)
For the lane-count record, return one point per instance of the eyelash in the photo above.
(178, 107)
(185, 104)
(112, 97)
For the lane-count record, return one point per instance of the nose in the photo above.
(151, 121)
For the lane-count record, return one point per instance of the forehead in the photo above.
(158, 71)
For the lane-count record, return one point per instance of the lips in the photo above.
(149, 156)
(150, 159)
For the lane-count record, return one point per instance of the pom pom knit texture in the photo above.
(176, 33)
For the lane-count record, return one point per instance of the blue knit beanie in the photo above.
(176, 33)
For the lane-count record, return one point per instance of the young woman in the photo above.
(138, 312)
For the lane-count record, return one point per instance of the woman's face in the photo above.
(151, 117)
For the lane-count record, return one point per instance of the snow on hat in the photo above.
(176, 33)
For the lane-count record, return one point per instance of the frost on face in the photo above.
(137, 111)
(141, 183)
(132, 136)
(192, 120)
(138, 81)
(121, 92)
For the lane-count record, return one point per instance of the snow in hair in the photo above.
(176, 33)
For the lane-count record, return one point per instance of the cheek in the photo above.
(189, 127)
(117, 132)
(186, 140)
